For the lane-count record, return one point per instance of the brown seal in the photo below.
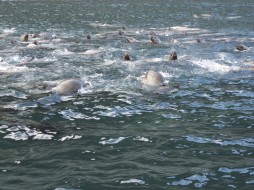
(155, 40)
(173, 56)
(126, 57)
(241, 47)
(24, 37)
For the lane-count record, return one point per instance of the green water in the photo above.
(115, 134)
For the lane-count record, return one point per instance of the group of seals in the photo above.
(151, 78)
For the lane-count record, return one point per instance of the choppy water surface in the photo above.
(115, 134)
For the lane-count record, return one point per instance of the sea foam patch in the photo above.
(112, 140)
(23, 132)
(135, 181)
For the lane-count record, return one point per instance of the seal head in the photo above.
(69, 87)
(153, 79)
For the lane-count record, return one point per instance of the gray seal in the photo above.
(153, 79)
(69, 86)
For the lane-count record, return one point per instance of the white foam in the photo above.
(112, 140)
(71, 115)
(187, 29)
(70, 137)
(138, 138)
(22, 132)
(6, 68)
(17, 136)
(9, 30)
(63, 52)
(213, 66)
(136, 181)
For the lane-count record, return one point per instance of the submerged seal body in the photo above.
(69, 86)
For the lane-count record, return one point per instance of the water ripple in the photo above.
(246, 142)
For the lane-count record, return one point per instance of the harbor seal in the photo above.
(241, 47)
(173, 56)
(154, 82)
(24, 37)
(155, 39)
(88, 37)
(153, 79)
(126, 57)
(69, 86)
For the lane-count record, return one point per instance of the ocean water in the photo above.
(115, 133)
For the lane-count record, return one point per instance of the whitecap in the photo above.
(62, 52)
(6, 68)
(19, 135)
(182, 182)
(22, 106)
(71, 115)
(187, 29)
(136, 181)
(3, 127)
(23, 132)
(247, 142)
(42, 136)
(236, 170)
(233, 17)
(171, 116)
(250, 182)
(213, 66)
(69, 137)
(200, 178)
(139, 138)
(112, 140)
(9, 30)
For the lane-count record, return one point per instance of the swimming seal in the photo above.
(155, 39)
(69, 87)
(173, 56)
(241, 47)
(24, 38)
(153, 79)
(88, 37)
(126, 57)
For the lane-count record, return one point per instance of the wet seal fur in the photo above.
(69, 86)
(153, 79)
(173, 56)
(126, 57)
(155, 40)
(241, 47)
(154, 82)
(24, 37)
